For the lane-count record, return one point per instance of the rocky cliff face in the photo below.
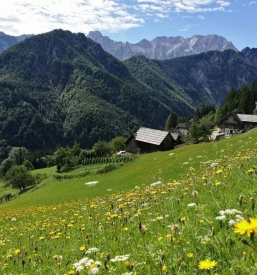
(7, 41)
(162, 48)
(250, 55)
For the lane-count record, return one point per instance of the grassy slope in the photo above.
(158, 227)
(144, 171)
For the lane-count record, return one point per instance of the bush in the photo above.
(6, 166)
(65, 177)
(106, 169)
(19, 177)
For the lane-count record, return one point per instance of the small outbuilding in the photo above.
(147, 140)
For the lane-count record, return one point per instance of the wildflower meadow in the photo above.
(201, 223)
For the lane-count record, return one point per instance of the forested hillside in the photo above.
(203, 78)
(59, 87)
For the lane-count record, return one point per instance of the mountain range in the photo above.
(57, 88)
(163, 48)
(7, 41)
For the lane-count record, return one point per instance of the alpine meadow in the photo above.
(128, 137)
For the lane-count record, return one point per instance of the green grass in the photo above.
(169, 227)
(143, 171)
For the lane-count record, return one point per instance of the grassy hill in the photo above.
(146, 169)
(187, 225)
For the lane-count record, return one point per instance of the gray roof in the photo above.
(183, 125)
(151, 136)
(247, 118)
(175, 135)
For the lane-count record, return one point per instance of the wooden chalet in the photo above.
(237, 123)
(147, 140)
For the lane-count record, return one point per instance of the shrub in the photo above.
(19, 177)
(107, 168)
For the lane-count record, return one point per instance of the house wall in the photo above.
(230, 125)
(138, 147)
(131, 146)
(183, 131)
(167, 144)
(249, 126)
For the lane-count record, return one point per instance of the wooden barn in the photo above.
(147, 140)
(236, 123)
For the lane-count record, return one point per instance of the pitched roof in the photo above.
(184, 125)
(151, 136)
(247, 118)
(176, 134)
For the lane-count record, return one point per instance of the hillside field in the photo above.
(188, 224)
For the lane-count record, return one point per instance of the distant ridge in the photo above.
(162, 48)
(7, 41)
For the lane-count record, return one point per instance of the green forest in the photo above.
(59, 88)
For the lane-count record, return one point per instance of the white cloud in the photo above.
(252, 2)
(37, 16)
(200, 17)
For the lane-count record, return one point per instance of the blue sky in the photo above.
(133, 20)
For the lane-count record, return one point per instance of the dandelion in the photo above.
(190, 255)
(164, 268)
(217, 183)
(219, 171)
(182, 219)
(207, 264)
(82, 248)
(159, 218)
(248, 226)
(17, 251)
(251, 170)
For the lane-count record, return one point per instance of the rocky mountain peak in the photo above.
(163, 47)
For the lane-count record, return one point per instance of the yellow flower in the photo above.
(218, 183)
(207, 264)
(125, 229)
(164, 268)
(92, 266)
(246, 226)
(41, 238)
(17, 251)
(182, 219)
(190, 255)
(159, 218)
(160, 238)
(82, 248)
(219, 171)
(251, 170)
(72, 272)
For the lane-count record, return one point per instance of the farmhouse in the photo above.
(236, 123)
(183, 128)
(147, 140)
